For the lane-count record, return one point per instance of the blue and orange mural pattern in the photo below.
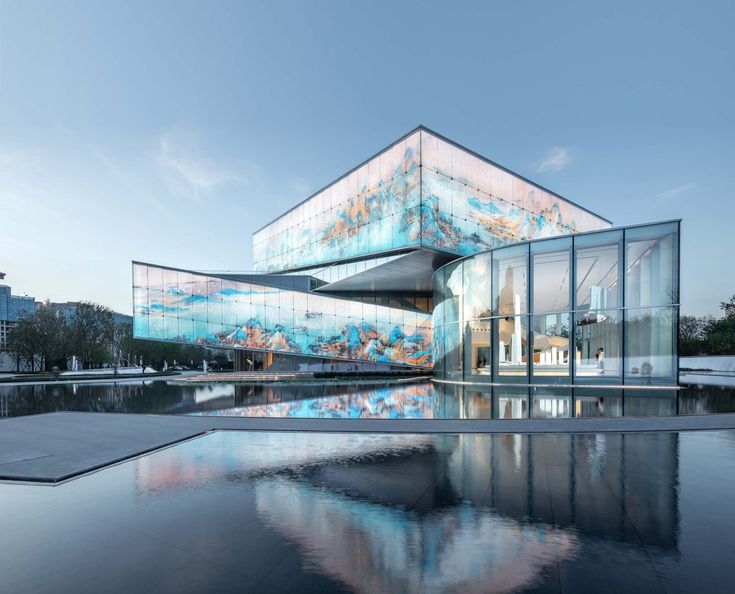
(192, 308)
(422, 192)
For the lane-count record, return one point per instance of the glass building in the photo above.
(429, 255)
(591, 308)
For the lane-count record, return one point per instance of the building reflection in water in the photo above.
(466, 513)
(421, 400)
(443, 401)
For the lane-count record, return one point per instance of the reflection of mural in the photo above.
(456, 549)
(423, 190)
(216, 456)
(187, 307)
(413, 401)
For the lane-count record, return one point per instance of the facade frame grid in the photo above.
(622, 311)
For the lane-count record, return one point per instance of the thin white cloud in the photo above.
(188, 175)
(674, 192)
(556, 159)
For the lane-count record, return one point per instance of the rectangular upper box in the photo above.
(424, 191)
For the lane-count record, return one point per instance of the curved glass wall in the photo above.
(594, 308)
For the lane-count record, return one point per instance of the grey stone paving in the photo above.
(56, 446)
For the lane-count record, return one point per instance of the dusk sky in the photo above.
(170, 131)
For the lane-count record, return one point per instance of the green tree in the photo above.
(21, 343)
(693, 334)
(708, 335)
(721, 336)
(121, 344)
(728, 307)
(40, 338)
(51, 335)
(92, 329)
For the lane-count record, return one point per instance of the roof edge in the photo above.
(423, 128)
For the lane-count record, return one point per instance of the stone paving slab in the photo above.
(53, 447)
(56, 446)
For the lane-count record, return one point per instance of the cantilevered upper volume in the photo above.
(422, 192)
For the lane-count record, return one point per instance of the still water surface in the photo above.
(404, 400)
(274, 512)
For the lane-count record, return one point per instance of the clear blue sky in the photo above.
(169, 131)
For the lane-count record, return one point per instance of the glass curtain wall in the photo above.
(595, 308)
(372, 209)
(470, 205)
(183, 306)
(423, 191)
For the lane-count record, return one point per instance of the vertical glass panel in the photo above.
(186, 330)
(155, 318)
(477, 299)
(651, 261)
(229, 303)
(510, 280)
(649, 403)
(140, 275)
(453, 352)
(650, 345)
(551, 404)
(477, 347)
(258, 297)
(478, 404)
(551, 271)
(511, 346)
(598, 337)
(510, 403)
(214, 301)
(453, 292)
(170, 327)
(439, 285)
(598, 403)
(437, 334)
(342, 309)
(597, 262)
(155, 279)
(141, 312)
(551, 347)
(285, 300)
(198, 301)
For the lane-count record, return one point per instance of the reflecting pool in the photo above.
(262, 512)
(424, 400)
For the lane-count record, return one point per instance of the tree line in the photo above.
(707, 335)
(48, 339)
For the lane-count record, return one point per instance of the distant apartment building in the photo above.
(69, 308)
(12, 309)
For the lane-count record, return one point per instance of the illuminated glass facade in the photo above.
(373, 209)
(422, 192)
(594, 308)
(184, 306)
